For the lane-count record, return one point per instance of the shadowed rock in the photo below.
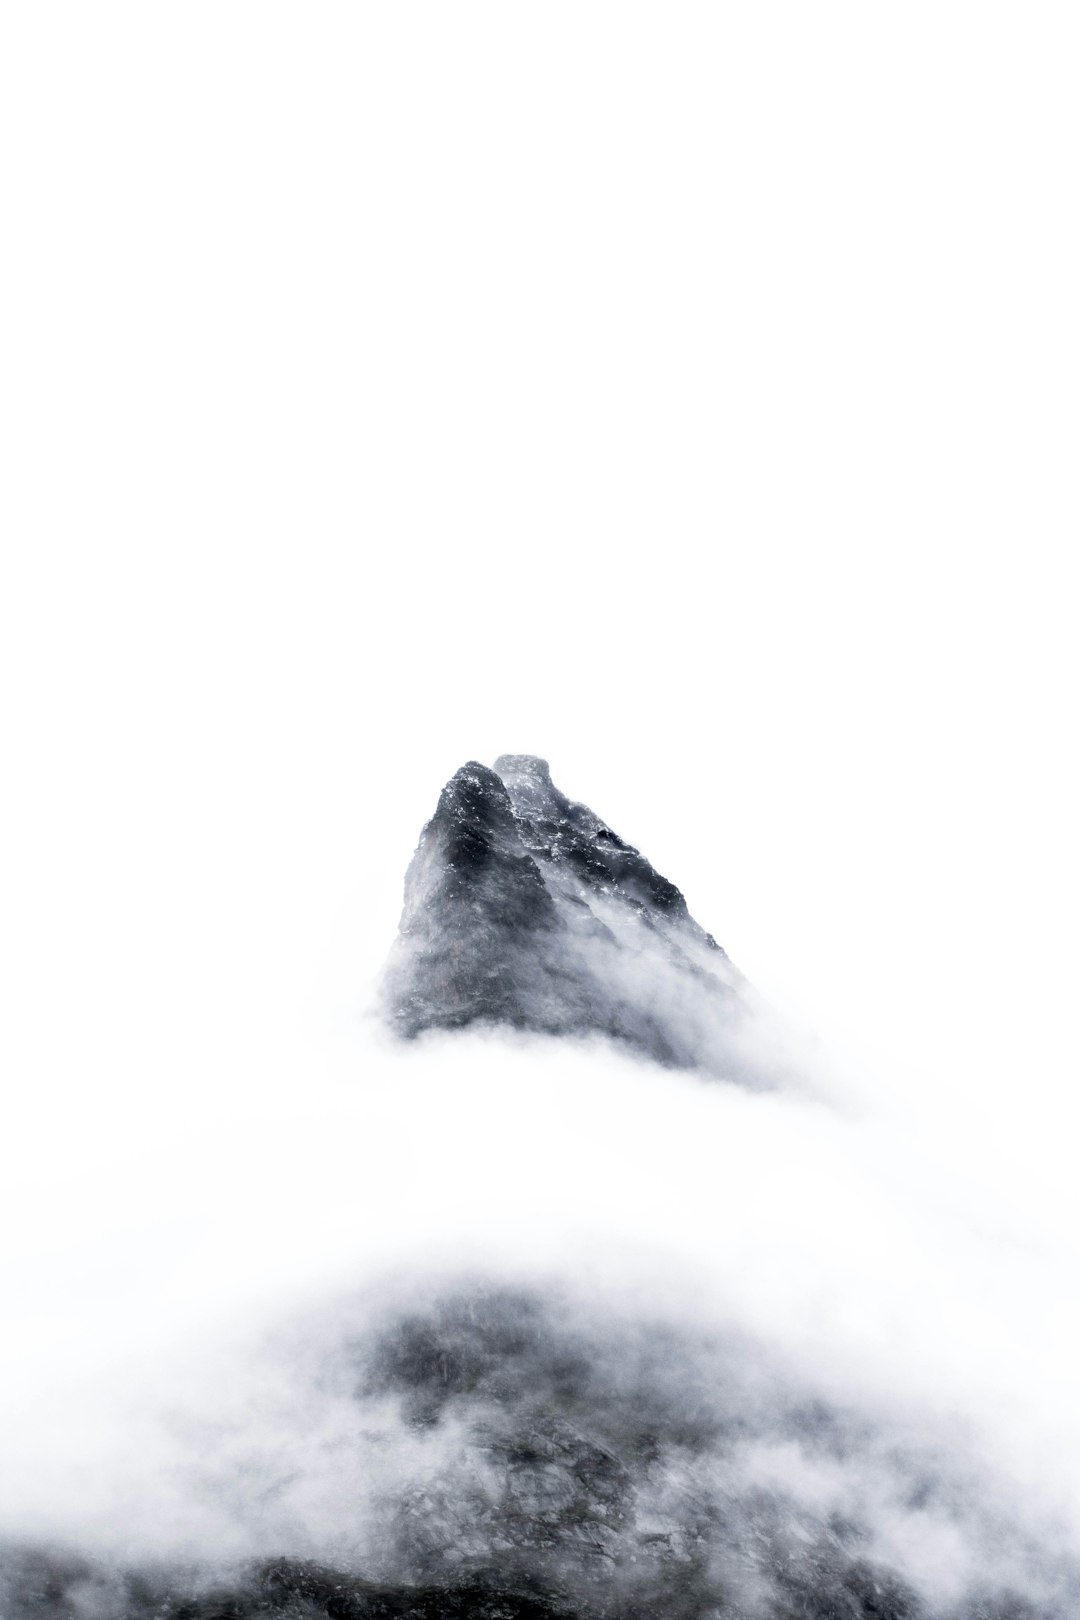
(525, 909)
(575, 1465)
(517, 1455)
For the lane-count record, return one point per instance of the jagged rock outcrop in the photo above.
(525, 909)
(580, 1466)
(501, 1452)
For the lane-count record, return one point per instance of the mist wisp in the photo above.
(531, 1316)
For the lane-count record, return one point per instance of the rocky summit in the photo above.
(524, 908)
(455, 1447)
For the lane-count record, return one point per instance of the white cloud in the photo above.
(691, 404)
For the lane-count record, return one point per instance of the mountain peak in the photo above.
(524, 908)
(526, 765)
(474, 812)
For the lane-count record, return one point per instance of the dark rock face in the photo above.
(614, 1466)
(523, 908)
(533, 1457)
(50, 1586)
(581, 1467)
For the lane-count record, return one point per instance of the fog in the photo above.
(165, 1387)
(692, 404)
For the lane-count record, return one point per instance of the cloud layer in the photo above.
(180, 1387)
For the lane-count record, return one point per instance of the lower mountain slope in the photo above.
(567, 1463)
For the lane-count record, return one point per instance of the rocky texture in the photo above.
(505, 1454)
(524, 909)
(578, 1466)
(45, 1585)
(629, 1468)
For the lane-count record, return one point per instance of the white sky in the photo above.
(687, 393)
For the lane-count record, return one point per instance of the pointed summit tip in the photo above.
(524, 908)
(527, 779)
(473, 781)
(523, 765)
(473, 805)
